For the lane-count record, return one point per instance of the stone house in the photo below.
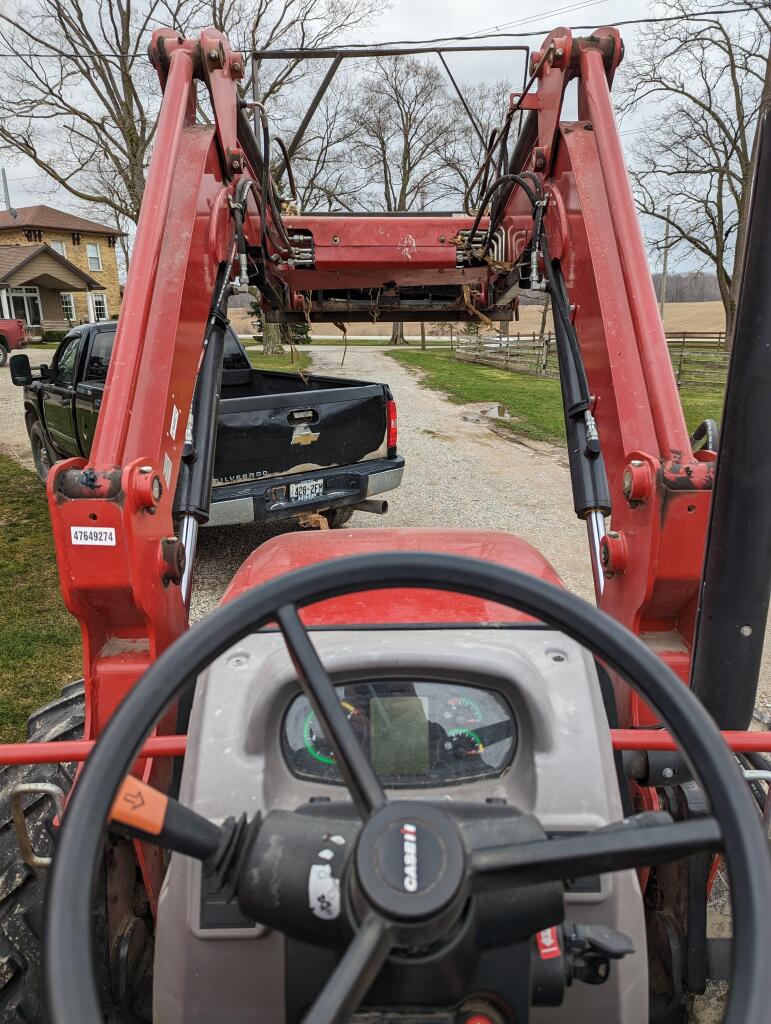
(57, 269)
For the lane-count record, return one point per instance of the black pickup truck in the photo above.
(287, 444)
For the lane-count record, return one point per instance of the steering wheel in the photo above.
(386, 918)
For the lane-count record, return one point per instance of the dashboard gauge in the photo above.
(415, 733)
(461, 712)
(465, 743)
(316, 742)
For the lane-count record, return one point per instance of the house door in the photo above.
(26, 305)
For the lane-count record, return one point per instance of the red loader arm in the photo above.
(120, 561)
(125, 591)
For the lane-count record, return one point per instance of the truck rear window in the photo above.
(99, 355)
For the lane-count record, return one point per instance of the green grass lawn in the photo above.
(39, 640)
(534, 401)
(282, 361)
(701, 403)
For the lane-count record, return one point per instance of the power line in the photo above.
(482, 34)
(534, 17)
(545, 31)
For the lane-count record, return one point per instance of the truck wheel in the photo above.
(41, 453)
(3, 353)
(337, 517)
(22, 889)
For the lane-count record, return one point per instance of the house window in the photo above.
(68, 306)
(100, 306)
(94, 256)
(26, 305)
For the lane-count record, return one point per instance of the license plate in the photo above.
(306, 489)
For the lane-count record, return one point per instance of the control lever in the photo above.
(573, 952)
(589, 948)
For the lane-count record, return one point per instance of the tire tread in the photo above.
(22, 889)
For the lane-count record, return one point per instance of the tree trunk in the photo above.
(729, 303)
(422, 335)
(544, 315)
(397, 334)
(272, 336)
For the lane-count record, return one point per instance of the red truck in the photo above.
(11, 337)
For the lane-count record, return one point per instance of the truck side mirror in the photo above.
(21, 372)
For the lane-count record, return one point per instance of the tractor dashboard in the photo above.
(417, 734)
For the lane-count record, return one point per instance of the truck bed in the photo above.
(272, 423)
(287, 445)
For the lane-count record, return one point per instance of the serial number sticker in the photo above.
(104, 537)
(174, 423)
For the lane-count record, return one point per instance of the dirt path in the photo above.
(460, 474)
(13, 433)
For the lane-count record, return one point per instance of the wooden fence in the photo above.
(698, 358)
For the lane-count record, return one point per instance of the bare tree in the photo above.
(75, 96)
(403, 112)
(709, 80)
(327, 179)
(464, 148)
(78, 96)
(283, 24)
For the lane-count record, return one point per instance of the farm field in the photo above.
(678, 316)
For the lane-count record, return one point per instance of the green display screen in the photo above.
(399, 735)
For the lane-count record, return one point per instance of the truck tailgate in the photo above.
(324, 423)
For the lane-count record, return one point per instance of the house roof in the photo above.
(42, 216)
(14, 257)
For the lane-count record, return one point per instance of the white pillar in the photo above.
(90, 303)
(6, 307)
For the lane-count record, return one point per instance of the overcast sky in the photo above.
(427, 19)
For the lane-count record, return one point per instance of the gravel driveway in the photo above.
(458, 474)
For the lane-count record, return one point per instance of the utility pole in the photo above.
(7, 197)
(663, 298)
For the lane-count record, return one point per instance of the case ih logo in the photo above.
(410, 846)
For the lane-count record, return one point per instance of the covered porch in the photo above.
(37, 287)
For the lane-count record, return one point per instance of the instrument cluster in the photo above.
(415, 733)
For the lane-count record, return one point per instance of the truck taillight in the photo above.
(391, 431)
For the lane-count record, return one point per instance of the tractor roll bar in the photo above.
(175, 746)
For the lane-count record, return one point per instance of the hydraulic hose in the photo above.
(193, 495)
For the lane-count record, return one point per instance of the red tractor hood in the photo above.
(292, 551)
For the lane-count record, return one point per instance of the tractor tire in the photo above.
(41, 453)
(337, 517)
(22, 889)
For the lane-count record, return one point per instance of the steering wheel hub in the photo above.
(410, 862)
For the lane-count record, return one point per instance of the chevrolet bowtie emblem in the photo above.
(304, 435)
